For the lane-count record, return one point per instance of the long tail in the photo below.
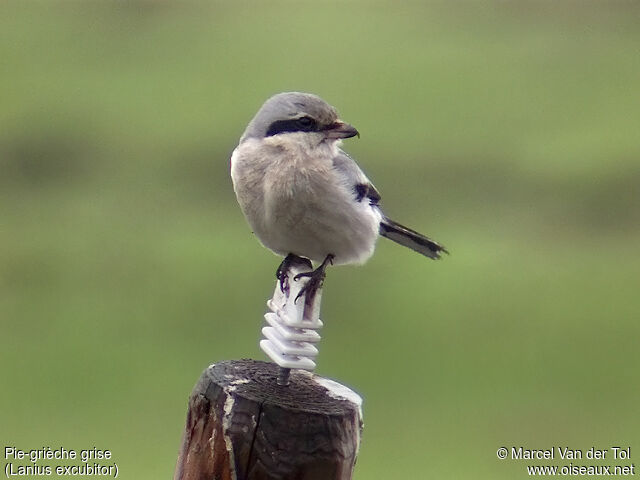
(410, 238)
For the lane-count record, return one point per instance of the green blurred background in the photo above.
(508, 131)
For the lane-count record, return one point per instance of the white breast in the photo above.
(296, 202)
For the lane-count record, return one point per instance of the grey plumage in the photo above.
(302, 194)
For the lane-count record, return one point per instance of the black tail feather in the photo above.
(411, 239)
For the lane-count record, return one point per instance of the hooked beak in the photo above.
(339, 130)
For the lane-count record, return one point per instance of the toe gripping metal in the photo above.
(292, 331)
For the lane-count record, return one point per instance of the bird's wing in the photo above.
(356, 179)
(363, 188)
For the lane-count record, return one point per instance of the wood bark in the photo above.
(242, 425)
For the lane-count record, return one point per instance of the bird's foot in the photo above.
(283, 270)
(316, 279)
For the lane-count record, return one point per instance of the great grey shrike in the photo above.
(305, 198)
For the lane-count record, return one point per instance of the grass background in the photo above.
(506, 130)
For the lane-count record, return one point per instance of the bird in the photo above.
(305, 198)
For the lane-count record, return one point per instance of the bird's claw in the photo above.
(316, 279)
(284, 281)
(283, 277)
(310, 289)
(282, 273)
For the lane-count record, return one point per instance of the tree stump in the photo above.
(242, 425)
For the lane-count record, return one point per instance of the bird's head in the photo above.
(304, 115)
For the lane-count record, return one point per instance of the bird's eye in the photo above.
(306, 123)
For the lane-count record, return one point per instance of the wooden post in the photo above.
(242, 425)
